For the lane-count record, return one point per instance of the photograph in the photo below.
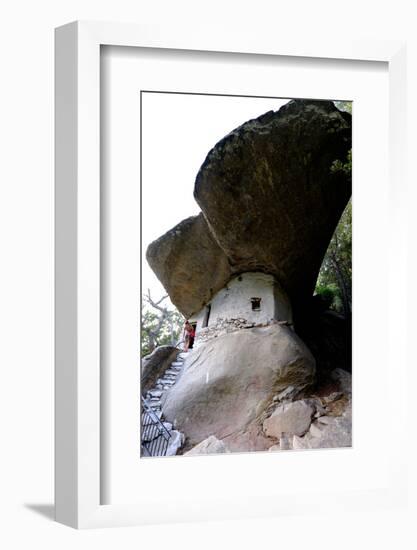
(246, 274)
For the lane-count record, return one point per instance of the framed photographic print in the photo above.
(218, 314)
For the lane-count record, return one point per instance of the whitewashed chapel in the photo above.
(248, 300)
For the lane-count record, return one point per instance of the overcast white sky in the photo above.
(178, 130)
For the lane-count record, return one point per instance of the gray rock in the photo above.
(211, 445)
(315, 430)
(175, 443)
(229, 382)
(336, 433)
(155, 393)
(270, 196)
(289, 418)
(270, 202)
(154, 365)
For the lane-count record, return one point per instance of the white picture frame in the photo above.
(78, 406)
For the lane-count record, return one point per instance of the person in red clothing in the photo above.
(189, 333)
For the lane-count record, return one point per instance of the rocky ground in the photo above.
(319, 419)
(314, 417)
(270, 201)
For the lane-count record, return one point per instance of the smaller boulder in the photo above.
(211, 445)
(326, 436)
(175, 443)
(154, 365)
(289, 418)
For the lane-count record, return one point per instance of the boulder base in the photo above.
(229, 383)
(211, 445)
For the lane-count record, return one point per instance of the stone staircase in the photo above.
(154, 400)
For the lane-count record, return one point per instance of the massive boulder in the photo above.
(270, 198)
(190, 264)
(271, 194)
(228, 385)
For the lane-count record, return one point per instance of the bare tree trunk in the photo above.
(164, 314)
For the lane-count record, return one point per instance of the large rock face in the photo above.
(270, 200)
(229, 383)
(269, 193)
(189, 263)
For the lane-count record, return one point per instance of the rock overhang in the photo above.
(270, 202)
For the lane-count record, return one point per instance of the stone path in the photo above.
(155, 399)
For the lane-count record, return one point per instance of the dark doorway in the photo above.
(206, 316)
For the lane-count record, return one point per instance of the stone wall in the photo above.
(226, 326)
(234, 301)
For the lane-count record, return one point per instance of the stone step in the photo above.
(147, 421)
(177, 364)
(169, 377)
(155, 393)
(182, 355)
(150, 432)
(171, 372)
(168, 381)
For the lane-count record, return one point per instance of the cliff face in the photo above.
(270, 202)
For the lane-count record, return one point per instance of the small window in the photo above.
(256, 304)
